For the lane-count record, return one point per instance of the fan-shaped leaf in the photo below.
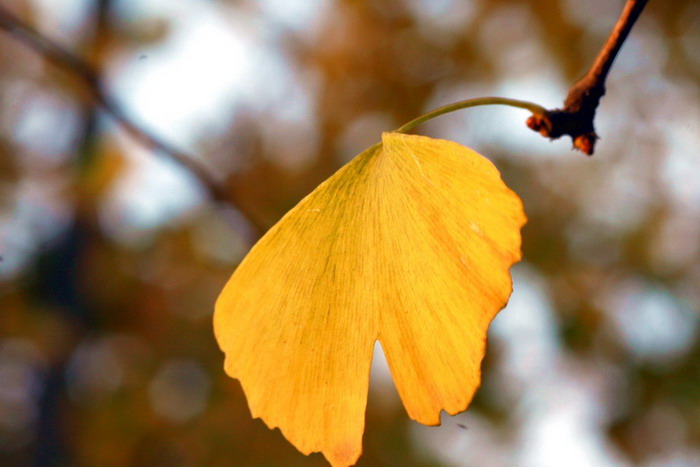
(410, 243)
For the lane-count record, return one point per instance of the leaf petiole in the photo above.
(478, 101)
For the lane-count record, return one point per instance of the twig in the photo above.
(63, 58)
(576, 118)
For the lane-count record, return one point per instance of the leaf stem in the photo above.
(478, 101)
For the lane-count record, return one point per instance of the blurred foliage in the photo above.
(106, 349)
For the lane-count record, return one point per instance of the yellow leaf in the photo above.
(410, 243)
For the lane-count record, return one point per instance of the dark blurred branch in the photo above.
(63, 58)
(576, 118)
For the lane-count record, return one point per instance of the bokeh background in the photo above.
(111, 256)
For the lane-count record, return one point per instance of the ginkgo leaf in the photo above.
(410, 244)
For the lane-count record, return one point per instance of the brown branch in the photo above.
(61, 57)
(576, 118)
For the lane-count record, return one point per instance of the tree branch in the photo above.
(63, 58)
(576, 118)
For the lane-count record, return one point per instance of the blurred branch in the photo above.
(576, 118)
(63, 58)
